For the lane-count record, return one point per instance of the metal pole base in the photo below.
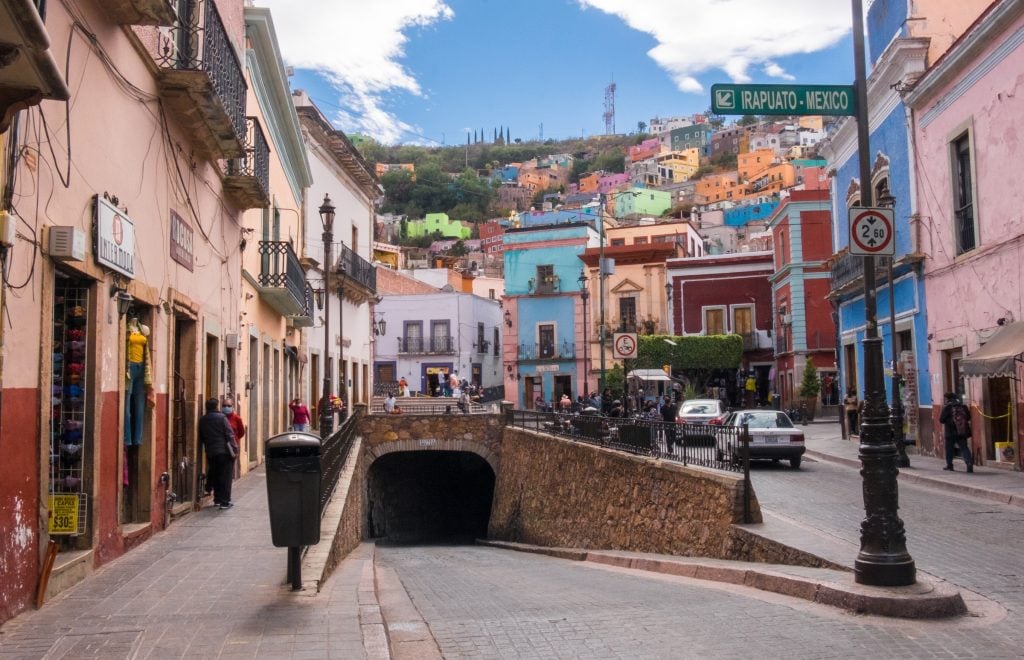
(883, 560)
(884, 571)
(295, 568)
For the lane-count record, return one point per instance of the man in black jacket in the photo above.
(669, 411)
(956, 425)
(215, 435)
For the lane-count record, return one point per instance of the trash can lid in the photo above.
(293, 439)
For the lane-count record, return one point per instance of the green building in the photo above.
(643, 201)
(440, 223)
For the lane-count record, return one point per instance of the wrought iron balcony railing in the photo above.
(282, 281)
(247, 179)
(357, 269)
(441, 344)
(304, 319)
(848, 270)
(547, 351)
(202, 79)
(781, 344)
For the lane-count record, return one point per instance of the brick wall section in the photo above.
(555, 492)
(390, 282)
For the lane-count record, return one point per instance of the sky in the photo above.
(429, 71)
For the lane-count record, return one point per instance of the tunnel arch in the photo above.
(437, 444)
(429, 495)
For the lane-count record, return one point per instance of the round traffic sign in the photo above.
(871, 232)
(625, 345)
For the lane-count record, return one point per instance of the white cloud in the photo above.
(358, 45)
(775, 71)
(731, 35)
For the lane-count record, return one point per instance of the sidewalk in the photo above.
(210, 586)
(825, 443)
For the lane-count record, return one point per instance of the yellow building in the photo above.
(678, 166)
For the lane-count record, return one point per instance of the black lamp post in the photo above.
(326, 407)
(584, 294)
(668, 307)
(883, 559)
(896, 412)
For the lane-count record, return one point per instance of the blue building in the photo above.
(894, 56)
(741, 215)
(544, 347)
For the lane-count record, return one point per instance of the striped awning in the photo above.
(999, 356)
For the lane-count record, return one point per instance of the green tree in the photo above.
(811, 384)
(641, 127)
(615, 378)
(458, 249)
(747, 120)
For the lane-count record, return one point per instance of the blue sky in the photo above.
(423, 71)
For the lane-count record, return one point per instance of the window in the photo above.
(440, 336)
(618, 241)
(546, 341)
(413, 336)
(640, 240)
(546, 279)
(497, 341)
(481, 346)
(743, 320)
(490, 293)
(951, 379)
(714, 321)
(963, 194)
(627, 314)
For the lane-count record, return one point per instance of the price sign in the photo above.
(63, 514)
(624, 346)
(871, 232)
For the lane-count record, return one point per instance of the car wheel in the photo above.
(795, 462)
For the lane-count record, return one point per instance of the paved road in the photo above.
(490, 603)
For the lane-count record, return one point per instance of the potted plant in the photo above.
(810, 387)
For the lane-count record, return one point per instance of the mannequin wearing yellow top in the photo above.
(138, 378)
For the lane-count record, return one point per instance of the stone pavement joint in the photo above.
(408, 633)
(924, 600)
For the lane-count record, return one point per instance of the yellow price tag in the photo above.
(63, 514)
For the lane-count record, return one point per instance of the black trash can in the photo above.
(293, 489)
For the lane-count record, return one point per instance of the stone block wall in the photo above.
(556, 492)
(478, 434)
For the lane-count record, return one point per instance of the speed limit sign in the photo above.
(871, 232)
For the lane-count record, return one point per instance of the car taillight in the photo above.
(716, 421)
(796, 438)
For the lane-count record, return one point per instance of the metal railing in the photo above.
(849, 268)
(334, 451)
(547, 351)
(441, 344)
(716, 447)
(199, 42)
(354, 267)
(280, 268)
(256, 161)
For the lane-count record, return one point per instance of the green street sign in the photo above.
(836, 100)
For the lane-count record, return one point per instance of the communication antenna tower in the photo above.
(609, 109)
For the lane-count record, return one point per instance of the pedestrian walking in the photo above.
(403, 386)
(851, 406)
(669, 412)
(300, 415)
(956, 425)
(218, 442)
(565, 403)
(464, 402)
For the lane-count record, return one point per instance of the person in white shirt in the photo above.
(389, 403)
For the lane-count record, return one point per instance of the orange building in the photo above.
(752, 163)
(772, 180)
(720, 188)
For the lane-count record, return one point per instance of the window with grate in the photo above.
(963, 194)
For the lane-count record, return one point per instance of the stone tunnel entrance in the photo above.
(429, 497)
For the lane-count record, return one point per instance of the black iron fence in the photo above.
(280, 268)
(256, 160)
(438, 344)
(357, 269)
(334, 452)
(547, 351)
(716, 447)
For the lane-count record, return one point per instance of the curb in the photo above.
(923, 600)
(921, 480)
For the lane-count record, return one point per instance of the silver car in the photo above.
(701, 411)
(772, 436)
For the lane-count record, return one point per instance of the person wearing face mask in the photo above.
(227, 406)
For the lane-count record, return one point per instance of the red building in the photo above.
(727, 293)
(491, 234)
(804, 328)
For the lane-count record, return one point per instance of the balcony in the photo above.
(202, 81)
(546, 285)
(139, 12)
(441, 345)
(781, 344)
(756, 340)
(848, 272)
(304, 319)
(247, 179)
(548, 351)
(282, 283)
(28, 73)
(359, 277)
(481, 347)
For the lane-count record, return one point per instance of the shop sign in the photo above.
(115, 238)
(436, 370)
(542, 368)
(181, 241)
(63, 514)
(909, 395)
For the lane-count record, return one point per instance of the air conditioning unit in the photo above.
(67, 244)
(231, 340)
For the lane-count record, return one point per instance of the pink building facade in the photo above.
(966, 114)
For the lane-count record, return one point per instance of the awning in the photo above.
(999, 357)
(649, 374)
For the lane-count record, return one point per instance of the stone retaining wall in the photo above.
(556, 492)
(478, 434)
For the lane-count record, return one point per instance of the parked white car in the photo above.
(701, 411)
(772, 436)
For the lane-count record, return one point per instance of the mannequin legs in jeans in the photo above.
(134, 403)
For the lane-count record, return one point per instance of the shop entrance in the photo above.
(528, 393)
(999, 429)
(137, 434)
(563, 385)
(184, 472)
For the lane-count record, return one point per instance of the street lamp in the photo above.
(584, 294)
(896, 412)
(326, 407)
(883, 559)
(668, 307)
